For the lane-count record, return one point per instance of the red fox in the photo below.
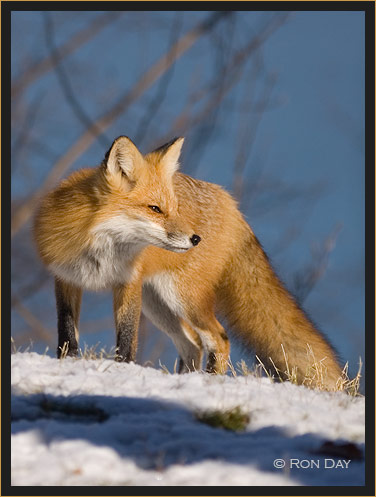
(179, 250)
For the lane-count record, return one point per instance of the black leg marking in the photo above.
(66, 330)
(211, 363)
(66, 320)
(126, 337)
(181, 368)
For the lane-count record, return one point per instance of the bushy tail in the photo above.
(267, 319)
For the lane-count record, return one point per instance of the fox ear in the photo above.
(124, 157)
(171, 154)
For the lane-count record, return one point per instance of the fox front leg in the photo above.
(68, 303)
(127, 310)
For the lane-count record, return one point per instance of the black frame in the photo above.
(368, 7)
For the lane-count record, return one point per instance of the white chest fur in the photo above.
(102, 266)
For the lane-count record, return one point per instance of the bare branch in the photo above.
(65, 83)
(248, 135)
(306, 279)
(24, 133)
(206, 128)
(163, 86)
(22, 215)
(35, 324)
(233, 73)
(41, 67)
(32, 287)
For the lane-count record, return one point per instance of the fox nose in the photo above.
(195, 239)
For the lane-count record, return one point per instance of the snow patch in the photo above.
(99, 423)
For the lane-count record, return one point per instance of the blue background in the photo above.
(305, 167)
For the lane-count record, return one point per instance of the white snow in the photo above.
(99, 423)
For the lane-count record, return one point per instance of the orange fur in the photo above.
(226, 273)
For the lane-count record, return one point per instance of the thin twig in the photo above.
(34, 323)
(66, 85)
(24, 133)
(233, 73)
(308, 277)
(22, 215)
(31, 288)
(161, 93)
(43, 66)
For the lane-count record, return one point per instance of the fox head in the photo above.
(142, 207)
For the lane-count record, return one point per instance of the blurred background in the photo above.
(272, 108)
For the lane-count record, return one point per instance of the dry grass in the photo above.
(351, 386)
(93, 352)
(20, 348)
(90, 352)
(314, 376)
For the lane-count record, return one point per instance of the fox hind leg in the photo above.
(185, 339)
(68, 303)
(190, 349)
(216, 343)
(198, 329)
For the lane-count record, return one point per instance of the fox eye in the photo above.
(155, 208)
